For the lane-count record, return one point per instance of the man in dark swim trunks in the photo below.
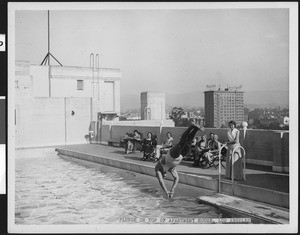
(174, 157)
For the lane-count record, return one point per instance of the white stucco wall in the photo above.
(41, 83)
(42, 120)
(155, 104)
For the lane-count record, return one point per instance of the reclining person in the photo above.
(166, 145)
(171, 160)
(130, 141)
(202, 148)
(214, 147)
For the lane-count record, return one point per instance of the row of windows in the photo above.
(229, 117)
(231, 102)
(228, 111)
(228, 97)
(228, 104)
(231, 99)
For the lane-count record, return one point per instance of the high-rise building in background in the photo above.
(221, 106)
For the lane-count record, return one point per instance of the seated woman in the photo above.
(202, 148)
(166, 145)
(148, 146)
(193, 150)
(130, 141)
(214, 146)
(210, 138)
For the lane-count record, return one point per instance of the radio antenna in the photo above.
(48, 55)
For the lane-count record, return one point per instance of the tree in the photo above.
(274, 126)
(176, 116)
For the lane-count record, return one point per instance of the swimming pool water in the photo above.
(53, 190)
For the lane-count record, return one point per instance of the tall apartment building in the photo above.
(221, 106)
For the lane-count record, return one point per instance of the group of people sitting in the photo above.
(149, 145)
(204, 150)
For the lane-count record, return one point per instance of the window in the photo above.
(80, 85)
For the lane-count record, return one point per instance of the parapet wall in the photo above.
(263, 147)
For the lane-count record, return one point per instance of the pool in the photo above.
(55, 190)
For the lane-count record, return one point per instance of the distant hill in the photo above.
(196, 99)
(192, 99)
(267, 98)
(130, 102)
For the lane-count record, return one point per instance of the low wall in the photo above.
(120, 131)
(263, 147)
(281, 152)
(103, 135)
(166, 122)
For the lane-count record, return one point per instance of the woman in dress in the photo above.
(233, 141)
(149, 145)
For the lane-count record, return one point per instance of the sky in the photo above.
(172, 51)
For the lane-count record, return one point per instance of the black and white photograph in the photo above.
(152, 117)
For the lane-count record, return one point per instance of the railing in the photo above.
(220, 166)
(232, 165)
(232, 162)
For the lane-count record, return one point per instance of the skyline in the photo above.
(171, 51)
(196, 99)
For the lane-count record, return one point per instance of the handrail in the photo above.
(97, 68)
(232, 169)
(232, 165)
(220, 155)
(92, 65)
(91, 59)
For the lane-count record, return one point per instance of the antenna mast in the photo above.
(47, 57)
(211, 86)
(235, 87)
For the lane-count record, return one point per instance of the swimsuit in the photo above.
(170, 163)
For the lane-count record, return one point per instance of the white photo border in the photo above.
(191, 228)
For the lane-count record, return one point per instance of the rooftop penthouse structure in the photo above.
(57, 104)
(153, 106)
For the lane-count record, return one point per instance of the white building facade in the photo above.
(60, 104)
(153, 106)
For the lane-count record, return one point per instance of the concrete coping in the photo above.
(245, 207)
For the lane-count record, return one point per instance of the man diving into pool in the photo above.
(174, 157)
